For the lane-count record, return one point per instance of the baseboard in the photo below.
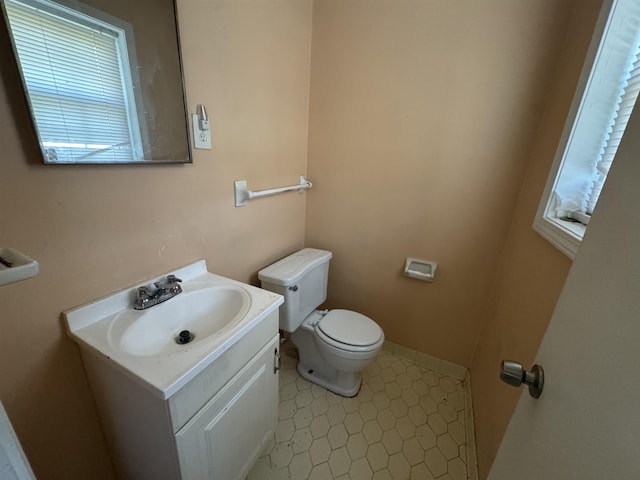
(469, 424)
(424, 360)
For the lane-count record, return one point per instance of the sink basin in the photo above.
(203, 312)
(218, 311)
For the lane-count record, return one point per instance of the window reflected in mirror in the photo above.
(100, 89)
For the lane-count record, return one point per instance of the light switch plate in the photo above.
(201, 138)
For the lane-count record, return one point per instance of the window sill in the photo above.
(564, 235)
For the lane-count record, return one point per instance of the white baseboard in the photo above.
(422, 359)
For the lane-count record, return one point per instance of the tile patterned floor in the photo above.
(407, 422)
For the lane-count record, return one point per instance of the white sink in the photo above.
(216, 310)
(203, 312)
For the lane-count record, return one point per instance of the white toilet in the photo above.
(334, 346)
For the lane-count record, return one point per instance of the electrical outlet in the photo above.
(201, 138)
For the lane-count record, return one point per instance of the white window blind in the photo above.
(604, 99)
(607, 102)
(627, 100)
(78, 80)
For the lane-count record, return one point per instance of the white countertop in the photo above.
(91, 325)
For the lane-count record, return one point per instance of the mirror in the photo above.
(103, 79)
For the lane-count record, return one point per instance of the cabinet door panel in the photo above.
(222, 441)
(190, 399)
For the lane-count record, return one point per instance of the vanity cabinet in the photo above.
(228, 433)
(213, 428)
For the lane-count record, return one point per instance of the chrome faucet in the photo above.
(147, 297)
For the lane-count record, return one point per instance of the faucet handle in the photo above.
(170, 280)
(142, 293)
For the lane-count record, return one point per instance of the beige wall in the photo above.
(422, 118)
(531, 271)
(96, 229)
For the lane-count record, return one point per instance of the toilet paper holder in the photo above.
(419, 269)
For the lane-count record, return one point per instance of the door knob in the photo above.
(514, 374)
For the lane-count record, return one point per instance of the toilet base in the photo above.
(312, 366)
(344, 384)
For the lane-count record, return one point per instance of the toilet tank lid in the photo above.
(291, 269)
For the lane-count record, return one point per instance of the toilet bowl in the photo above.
(334, 346)
(348, 340)
(329, 361)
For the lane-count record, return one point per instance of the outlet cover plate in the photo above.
(201, 138)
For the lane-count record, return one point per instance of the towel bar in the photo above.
(243, 194)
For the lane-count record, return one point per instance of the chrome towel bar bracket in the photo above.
(243, 194)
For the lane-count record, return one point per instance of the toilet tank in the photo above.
(302, 279)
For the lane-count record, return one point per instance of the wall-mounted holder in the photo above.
(420, 269)
(15, 266)
(243, 194)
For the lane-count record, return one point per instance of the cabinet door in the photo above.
(223, 440)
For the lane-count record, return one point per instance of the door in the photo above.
(586, 425)
(13, 463)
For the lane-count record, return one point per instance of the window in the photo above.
(601, 108)
(78, 76)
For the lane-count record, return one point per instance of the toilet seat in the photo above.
(350, 331)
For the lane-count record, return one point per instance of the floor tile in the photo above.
(435, 461)
(392, 441)
(337, 436)
(360, 470)
(377, 456)
(399, 467)
(357, 446)
(339, 461)
(320, 451)
(301, 440)
(447, 446)
(320, 472)
(372, 432)
(407, 422)
(300, 466)
(413, 451)
(320, 426)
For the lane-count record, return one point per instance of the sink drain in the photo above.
(185, 336)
